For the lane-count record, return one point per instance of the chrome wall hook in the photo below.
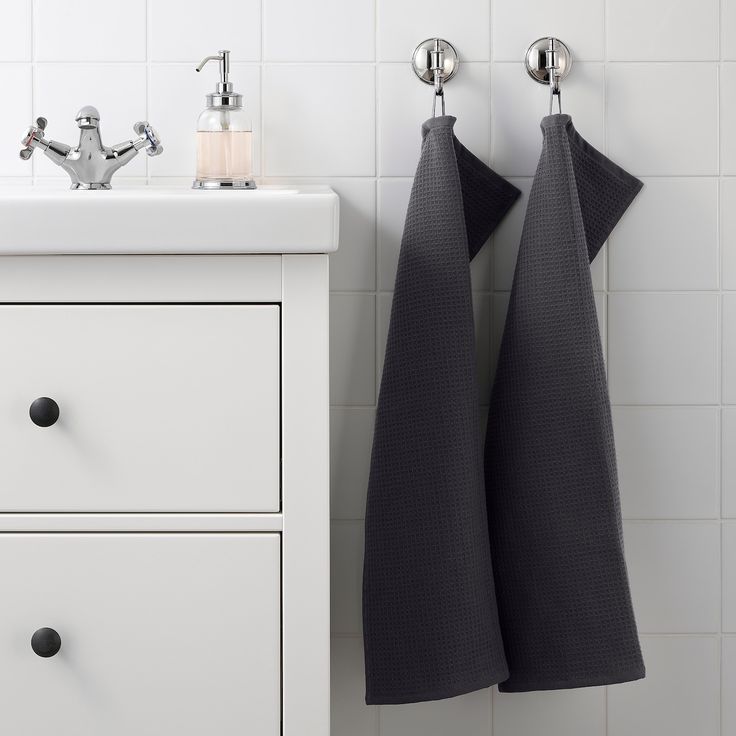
(548, 61)
(435, 61)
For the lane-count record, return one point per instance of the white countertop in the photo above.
(155, 219)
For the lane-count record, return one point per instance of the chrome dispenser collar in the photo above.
(224, 94)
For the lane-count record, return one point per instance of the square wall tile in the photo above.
(728, 453)
(353, 266)
(404, 104)
(321, 129)
(346, 545)
(728, 233)
(190, 33)
(352, 349)
(351, 441)
(15, 31)
(728, 23)
(580, 712)
(328, 30)
(728, 119)
(402, 25)
(663, 348)
(176, 99)
(668, 461)
(729, 577)
(729, 348)
(668, 238)
(73, 31)
(729, 685)
(469, 715)
(643, 31)
(393, 200)
(118, 91)
(645, 140)
(16, 118)
(678, 697)
(579, 23)
(675, 574)
(350, 715)
(518, 106)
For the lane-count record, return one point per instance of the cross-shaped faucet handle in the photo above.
(34, 135)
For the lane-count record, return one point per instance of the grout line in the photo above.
(33, 79)
(261, 106)
(719, 82)
(147, 32)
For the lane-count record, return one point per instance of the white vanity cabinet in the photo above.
(164, 467)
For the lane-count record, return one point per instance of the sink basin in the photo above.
(152, 219)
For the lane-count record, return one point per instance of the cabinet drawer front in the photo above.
(161, 408)
(160, 634)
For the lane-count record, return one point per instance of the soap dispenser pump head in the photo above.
(224, 94)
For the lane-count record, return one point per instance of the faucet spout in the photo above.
(91, 164)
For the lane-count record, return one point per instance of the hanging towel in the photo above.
(553, 506)
(429, 612)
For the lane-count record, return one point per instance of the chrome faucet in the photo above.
(91, 165)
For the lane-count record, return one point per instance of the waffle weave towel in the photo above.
(553, 506)
(429, 611)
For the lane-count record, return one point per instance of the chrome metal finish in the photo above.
(224, 95)
(537, 57)
(91, 164)
(224, 184)
(548, 61)
(435, 61)
(433, 55)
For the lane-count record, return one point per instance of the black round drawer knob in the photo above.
(44, 412)
(46, 642)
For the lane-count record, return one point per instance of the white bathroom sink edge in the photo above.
(42, 220)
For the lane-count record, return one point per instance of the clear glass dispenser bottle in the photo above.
(224, 135)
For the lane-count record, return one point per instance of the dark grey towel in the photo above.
(429, 612)
(553, 505)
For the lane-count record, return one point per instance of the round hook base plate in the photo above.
(535, 59)
(421, 60)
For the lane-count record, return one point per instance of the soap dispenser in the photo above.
(224, 135)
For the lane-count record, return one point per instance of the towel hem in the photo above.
(438, 694)
(524, 686)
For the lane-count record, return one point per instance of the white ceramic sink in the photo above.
(152, 219)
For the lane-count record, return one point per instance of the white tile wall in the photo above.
(669, 241)
(663, 348)
(679, 696)
(333, 101)
(190, 31)
(74, 31)
(669, 461)
(439, 718)
(330, 30)
(648, 132)
(645, 31)
(556, 713)
(675, 575)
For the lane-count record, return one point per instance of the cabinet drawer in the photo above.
(160, 634)
(161, 408)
